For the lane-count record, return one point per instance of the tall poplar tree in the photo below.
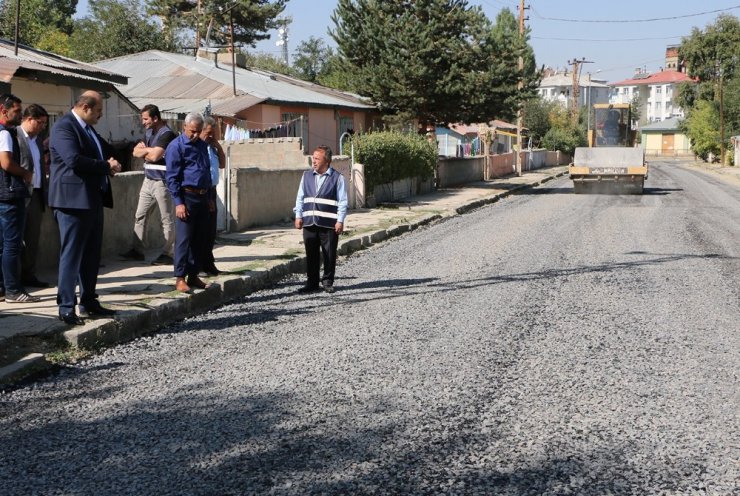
(438, 61)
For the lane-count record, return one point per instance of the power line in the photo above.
(654, 19)
(604, 40)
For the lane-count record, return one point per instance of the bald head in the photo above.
(89, 107)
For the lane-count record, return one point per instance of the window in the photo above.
(658, 90)
(297, 124)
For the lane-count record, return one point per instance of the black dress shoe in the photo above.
(212, 271)
(96, 310)
(71, 318)
(308, 289)
(34, 282)
(328, 288)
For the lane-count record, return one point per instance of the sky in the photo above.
(631, 39)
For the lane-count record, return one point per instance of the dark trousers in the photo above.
(191, 236)
(81, 239)
(321, 243)
(34, 215)
(208, 261)
(12, 217)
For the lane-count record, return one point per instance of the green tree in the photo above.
(270, 63)
(711, 56)
(114, 28)
(55, 41)
(252, 18)
(537, 118)
(38, 17)
(702, 128)
(311, 57)
(337, 73)
(438, 61)
(566, 139)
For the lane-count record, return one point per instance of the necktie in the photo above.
(95, 141)
(104, 181)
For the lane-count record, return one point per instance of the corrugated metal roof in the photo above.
(171, 77)
(32, 59)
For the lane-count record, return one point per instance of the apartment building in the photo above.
(656, 94)
(557, 85)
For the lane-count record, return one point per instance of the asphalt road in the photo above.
(551, 343)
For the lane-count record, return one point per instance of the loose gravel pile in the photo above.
(551, 344)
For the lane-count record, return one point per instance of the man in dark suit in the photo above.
(35, 120)
(79, 188)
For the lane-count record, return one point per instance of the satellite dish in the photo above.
(279, 42)
(281, 31)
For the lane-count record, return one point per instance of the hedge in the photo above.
(389, 156)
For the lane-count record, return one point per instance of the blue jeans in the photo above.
(12, 220)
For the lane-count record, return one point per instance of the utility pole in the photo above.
(17, 24)
(576, 91)
(721, 121)
(520, 85)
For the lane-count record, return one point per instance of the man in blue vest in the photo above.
(320, 210)
(153, 189)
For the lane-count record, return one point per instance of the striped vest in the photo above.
(155, 170)
(320, 207)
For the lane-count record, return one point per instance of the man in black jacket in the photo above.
(14, 181)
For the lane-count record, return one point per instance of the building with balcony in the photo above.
(558, 86)
(655, 94)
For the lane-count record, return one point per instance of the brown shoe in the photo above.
(181, 285)
(195, 282)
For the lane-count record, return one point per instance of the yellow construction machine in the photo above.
(611, 163)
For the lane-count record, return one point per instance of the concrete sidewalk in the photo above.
(144, 295)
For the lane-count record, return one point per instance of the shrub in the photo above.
(389, 156)
(564, 139)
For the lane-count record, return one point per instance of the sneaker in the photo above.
(163, 259)
(21, 297)
(133, 255)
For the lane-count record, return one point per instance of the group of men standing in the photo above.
(181, 174)
(79, 166)
(22, 196)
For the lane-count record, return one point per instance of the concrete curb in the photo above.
(171, 307)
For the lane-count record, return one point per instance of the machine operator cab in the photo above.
(611, 126)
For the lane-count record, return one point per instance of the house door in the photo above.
(667, 146)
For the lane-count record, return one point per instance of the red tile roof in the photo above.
(663, 77)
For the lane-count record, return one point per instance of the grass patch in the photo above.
(290, 254)
(68, 354)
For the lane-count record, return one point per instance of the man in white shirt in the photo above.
(35, 120)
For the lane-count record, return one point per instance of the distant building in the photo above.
(656, 94)
(558, 86)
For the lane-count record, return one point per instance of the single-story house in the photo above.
(249, 103)
(464, 140)
(665, 138)
(55, 82)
